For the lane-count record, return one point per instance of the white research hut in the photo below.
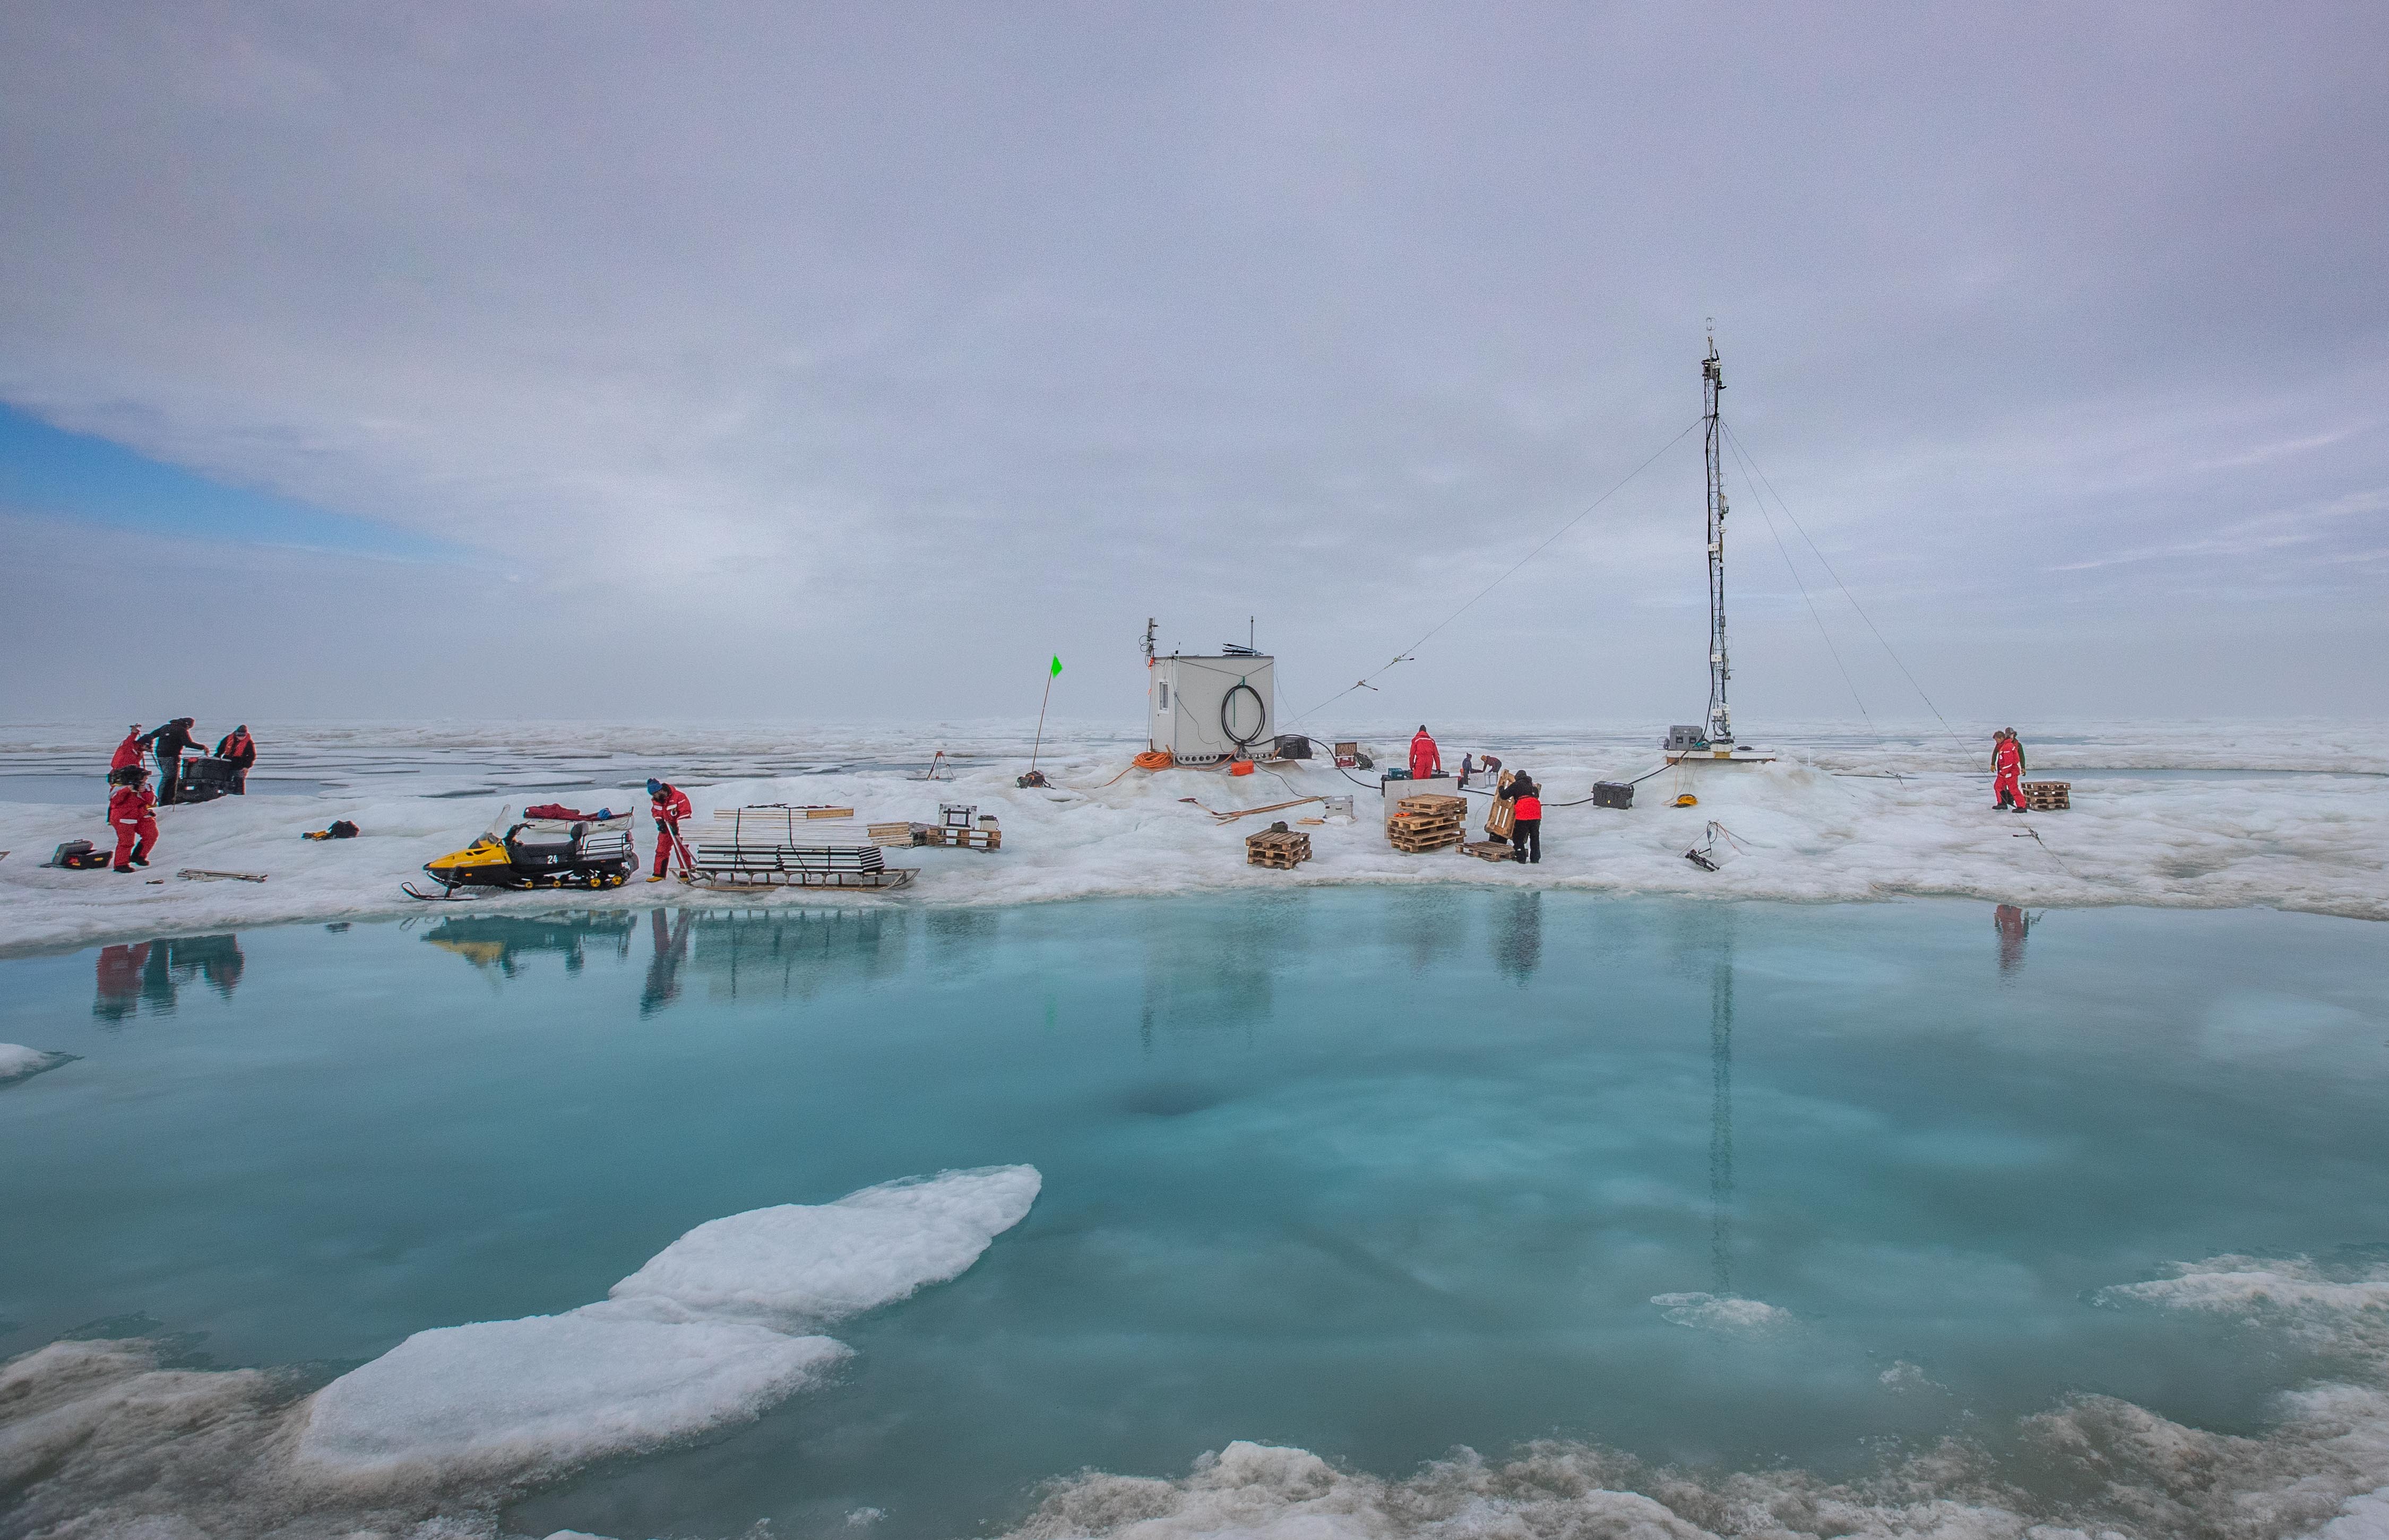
(1204, 709)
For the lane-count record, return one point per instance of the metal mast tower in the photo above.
(1720, 725)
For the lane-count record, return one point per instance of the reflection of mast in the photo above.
(1721, 1122)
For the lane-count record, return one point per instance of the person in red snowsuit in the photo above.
(670, 804)
(128, 753)
(1425, 762)
(2007, 769)
(137, 827)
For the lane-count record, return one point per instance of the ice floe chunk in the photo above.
(1721, 1313)
(20, 1063)
(799, 1263)
(506, 1395)
(705, 1334)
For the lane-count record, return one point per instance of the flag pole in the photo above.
(1052, 673)
(1039, 745)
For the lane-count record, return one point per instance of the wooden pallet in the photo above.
(2049, 797)
(1432, 805)
(982, 838)
(1415, 835)
(1490, 850)
(1278, 851)
(897, 834)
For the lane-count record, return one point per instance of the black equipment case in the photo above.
(205, 779)
(1612, 794)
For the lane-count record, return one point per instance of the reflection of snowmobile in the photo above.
(591, 851)
(502, 942)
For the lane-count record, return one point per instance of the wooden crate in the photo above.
(1279, 851)
(2049, 797)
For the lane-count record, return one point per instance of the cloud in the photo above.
(896, 344)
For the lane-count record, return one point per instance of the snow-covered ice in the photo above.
(1727, 1313)
(804, 1264)
(497, 1398)
(700, 1336)
(2292, 815)
(20, 1063)
(102, 1438)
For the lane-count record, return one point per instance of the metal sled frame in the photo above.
(732, 879)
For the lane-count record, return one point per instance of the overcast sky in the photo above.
(788, 361)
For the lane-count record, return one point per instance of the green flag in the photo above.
(1057, 667)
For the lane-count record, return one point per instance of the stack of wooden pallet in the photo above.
(778, 824)
(1426, 822)
(2049, 797)
(984, 837)
(1279, 849)
(897, 834)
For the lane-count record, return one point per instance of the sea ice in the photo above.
(495, 1397)
(800, 1262)
(2321, 1471)
(1836, 819)
(700, 1336)
(1721, 1313)
(20, 1063)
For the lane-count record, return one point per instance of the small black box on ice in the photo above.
(1612, 794)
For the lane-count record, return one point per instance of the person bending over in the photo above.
(241, 749)
(170, 743)
(1526, 819)
(670, 804)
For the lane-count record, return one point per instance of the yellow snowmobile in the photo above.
(585, 850)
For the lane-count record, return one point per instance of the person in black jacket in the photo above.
(1526, 821)
(170, 743)
(241, 749)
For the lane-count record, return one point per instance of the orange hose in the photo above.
(1154, 760)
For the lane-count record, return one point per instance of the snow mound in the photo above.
(699, 1337)
(20, 1063)
(1721, 1313)
(817, 1263)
